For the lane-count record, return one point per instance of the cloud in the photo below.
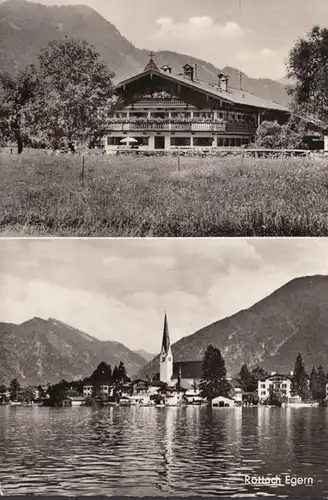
(119, 289)
(202, 28)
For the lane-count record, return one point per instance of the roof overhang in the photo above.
(170, 77)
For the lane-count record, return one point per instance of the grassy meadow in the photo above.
(43, 195)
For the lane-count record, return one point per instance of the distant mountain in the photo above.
(41, 351)
(146, 355)
(26, 27)
(270, 334)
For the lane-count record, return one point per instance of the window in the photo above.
(114, 141)
(203, 114)
(203, 141)
(180, 141)
(163, 359)
(178, 114)
(134, 114)
(143, 141)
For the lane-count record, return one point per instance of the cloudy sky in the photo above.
(119, 289)
(253, 35)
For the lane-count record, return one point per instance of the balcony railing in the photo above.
(241, 128)
(167, 125)
(160, 101)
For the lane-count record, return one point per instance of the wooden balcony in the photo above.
(160, 101)
(241, 128)
(167, 126)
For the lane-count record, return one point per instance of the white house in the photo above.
(279, 383)
(87, 390)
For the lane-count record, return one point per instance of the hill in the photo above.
(270, 333)
(41, 351)
(146, 355)
(26, 27)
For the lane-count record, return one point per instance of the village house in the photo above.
(223, 402)
(279, 383)
(161, 110)
(73, 401)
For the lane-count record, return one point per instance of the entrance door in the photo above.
(159, 142)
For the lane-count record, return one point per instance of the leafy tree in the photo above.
(314, 383)
(247, 379)
(57, 393)
(299, 386)
(77, 95)
(214, 381)
(275, 398)
(272, 135)
(18, 94)
(41, 392)
(259, 373)
(14, 389)
(102, 374)
(121, 376)
(308, 68)
(322, 380)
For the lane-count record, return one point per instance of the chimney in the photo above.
(188, 71)
(166, 68)
(223, 82)
(291, 373)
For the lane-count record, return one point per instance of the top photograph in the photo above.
(175, 118)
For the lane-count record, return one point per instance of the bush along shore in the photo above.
(72, 195)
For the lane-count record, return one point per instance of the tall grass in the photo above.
(128, 196)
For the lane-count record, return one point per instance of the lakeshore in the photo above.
(162, 197)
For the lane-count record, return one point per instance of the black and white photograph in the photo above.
(163, 118)
(167, 367)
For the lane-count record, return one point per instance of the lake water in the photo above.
(162, 451)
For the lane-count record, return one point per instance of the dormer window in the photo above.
(188, 71)
(166, 68)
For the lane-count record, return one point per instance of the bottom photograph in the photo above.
(164, 367)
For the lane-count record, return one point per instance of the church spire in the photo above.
(151, 63)
(166, 358)
(166, 337)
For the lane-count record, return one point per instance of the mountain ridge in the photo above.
(45, 351)
(270, 333)
(26, 27)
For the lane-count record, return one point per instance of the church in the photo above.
(188, 374)
(160, 110)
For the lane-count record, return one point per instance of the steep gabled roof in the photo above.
(232, 96)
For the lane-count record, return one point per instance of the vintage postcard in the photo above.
(164, 367)
(174, 118)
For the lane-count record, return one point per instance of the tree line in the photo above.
(214, 381)
(63, 102)
(54, 394)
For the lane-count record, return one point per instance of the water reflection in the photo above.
(161, 451)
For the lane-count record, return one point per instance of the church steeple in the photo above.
(166, 337)
(151, 63)
(166, 358)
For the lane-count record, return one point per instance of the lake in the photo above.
(162, 451)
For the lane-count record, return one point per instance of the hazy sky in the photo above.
(119, 289)
(253, 35)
